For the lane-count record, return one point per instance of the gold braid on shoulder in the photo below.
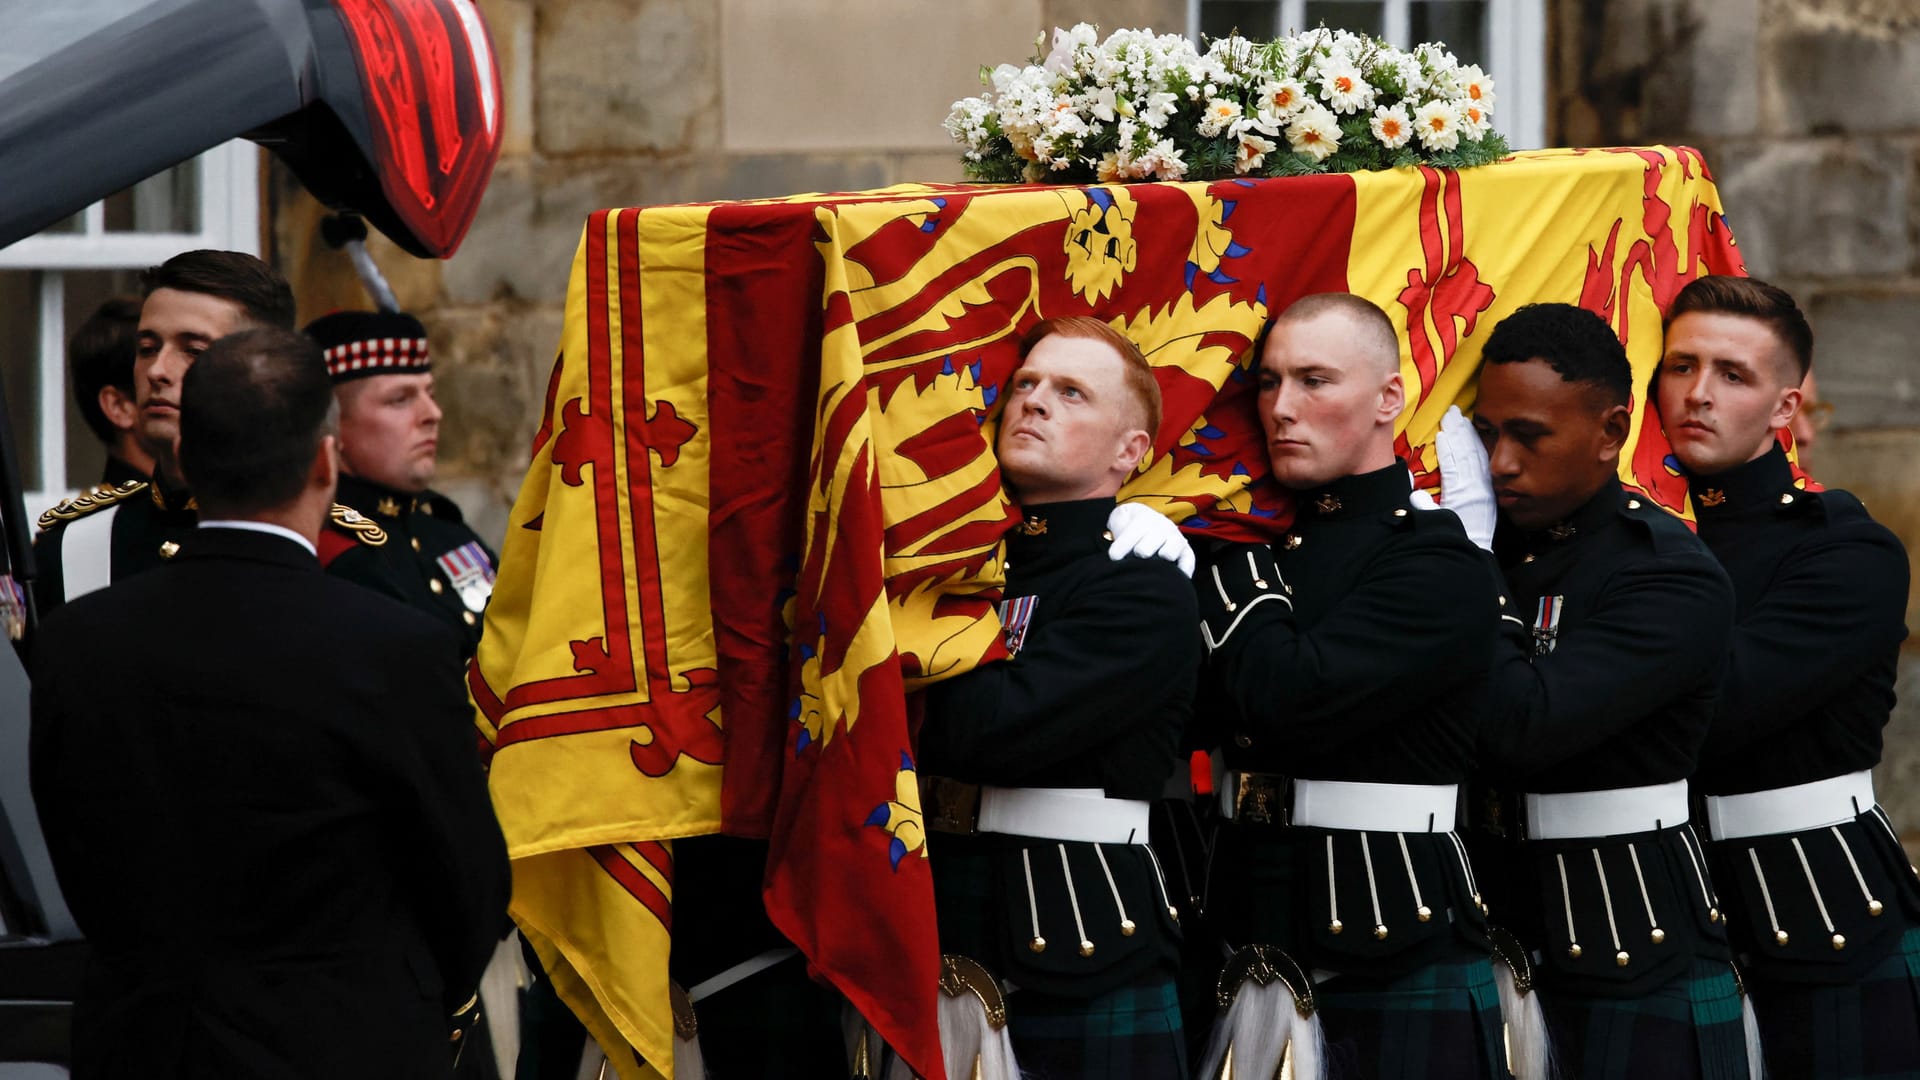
(98, 499)
(362, 526)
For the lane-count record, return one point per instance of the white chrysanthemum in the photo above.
(1474, 122)
(1475, 86)
(1283, 97)
(1345, 89)
(1438, 125)
(1219, 114)
(1314, 132)
(1252, 153)
(1391, 126)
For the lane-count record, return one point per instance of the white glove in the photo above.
(1143, 532)
(1466, 479)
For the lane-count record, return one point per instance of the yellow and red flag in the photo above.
(763, 505)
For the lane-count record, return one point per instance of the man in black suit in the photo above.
(270, 824)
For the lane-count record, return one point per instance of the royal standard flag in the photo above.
(763, 506)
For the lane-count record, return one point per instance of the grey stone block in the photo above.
(1832, 71)
(627, 75)
(1818, 208)
(1865, 353)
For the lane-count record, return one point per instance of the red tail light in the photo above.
(433, 101)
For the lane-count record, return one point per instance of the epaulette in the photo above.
(358, 524)
(81, 505)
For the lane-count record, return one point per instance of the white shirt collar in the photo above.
(264, 527)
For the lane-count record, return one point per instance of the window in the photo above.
(51, 282)
(1507, 38)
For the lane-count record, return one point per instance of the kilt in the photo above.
(1441, 1021)
(1130, 1033)
(1689, 1028)
(1862, 1030)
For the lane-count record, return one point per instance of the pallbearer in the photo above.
(1037, 772)
(1602, 693)
(1351, 655)
(1822, 903)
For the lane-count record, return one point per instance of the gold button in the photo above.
(1658, 935)
(1633, 504)
(1336, 926)
(1786, 500)
(1425, 913)
(1243, 740)
(1573, 950)
(1399, 513)
(416, 543)
(1038, 944)
(1106, 534)
(1293, 542)
(468, 616)
(168, 549)
(1780, 937)
(1126, 927)
(1875, 907)
(1713, 914)
(1503, 601)
(1086, 948)
(1621, 958)
(1380, 933)
(1839, 942)
(434, 584)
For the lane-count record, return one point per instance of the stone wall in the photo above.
(1808, 111)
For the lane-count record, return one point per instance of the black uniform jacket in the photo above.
(1608, 677)
(1371, 672)
(430, 561)
(148, 520)
(1821, 592)
(1095, 697)
(267, 818)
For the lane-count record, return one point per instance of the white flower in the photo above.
(1391, 126)
(1253, 151)
(1158, 109)
(1475, 86)
(1282, 97)
(1474, 123)
(1438, 125)
(1314, 132)
(1219, 114)
(1101, 103)
(1110, 168)
(1342, 85)
(1065, 44)
(1163, 161)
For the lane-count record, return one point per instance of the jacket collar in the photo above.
(1380, 491)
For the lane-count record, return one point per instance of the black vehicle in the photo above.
(389, 109)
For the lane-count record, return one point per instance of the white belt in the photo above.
(1793, 809)
(1081, 814)
(1618, 812)
(1342, 804)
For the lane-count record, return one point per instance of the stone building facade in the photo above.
(1808, 111)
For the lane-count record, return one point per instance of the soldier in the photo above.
(1037, 772)
(400, 537)
(100, 355)
(1350, 656)
(191, 300)
(1599, 702)
(1826, 912)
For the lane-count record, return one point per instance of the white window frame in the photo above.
(229, 215)
(1516, 55)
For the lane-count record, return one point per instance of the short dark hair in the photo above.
(253, 410)
(100, 354)
(1577, 344)
(258, 288)
(1139, 373)
(1720, 294)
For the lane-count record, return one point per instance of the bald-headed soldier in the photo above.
(1350, 655)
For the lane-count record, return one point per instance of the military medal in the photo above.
(1015, 615)
(470, 571)
(1546, 624)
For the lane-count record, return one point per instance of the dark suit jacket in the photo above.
(259, 789)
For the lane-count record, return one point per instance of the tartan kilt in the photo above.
(1694, 1020)
(1130, 1033)
(1441, 1021)
(1859, 1031)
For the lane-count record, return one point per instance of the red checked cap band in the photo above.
(361, 343)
